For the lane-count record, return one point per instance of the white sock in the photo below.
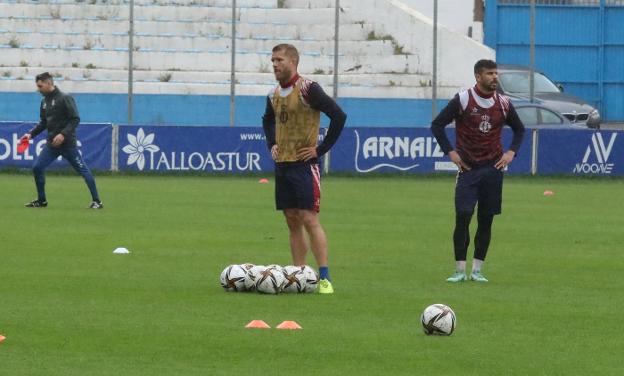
(476, 265)
(460, 266)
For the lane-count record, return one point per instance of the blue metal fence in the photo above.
(578, 43)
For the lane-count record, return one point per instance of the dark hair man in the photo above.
(59, 116)
(479, 114)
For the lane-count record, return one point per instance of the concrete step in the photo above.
(195, 44)
(179, 28)
(309, 4)
(217, 61)
(148, 3)
(298, 16)
(202, 77)
(170, 13)
(121, 87)
(108, 12)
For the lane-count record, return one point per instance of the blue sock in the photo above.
(324, 272)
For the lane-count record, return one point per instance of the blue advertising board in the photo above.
(94, 143)
(410, 150)
(580, 152)
(358, 150)
(201, 149)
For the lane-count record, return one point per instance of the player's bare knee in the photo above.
(310, 219)
(293, 219)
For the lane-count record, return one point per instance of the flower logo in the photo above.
(138, 145)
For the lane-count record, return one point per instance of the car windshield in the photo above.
(518, 82)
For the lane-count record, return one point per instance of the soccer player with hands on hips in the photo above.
(59, 116)
(479, 114)
(291, 123)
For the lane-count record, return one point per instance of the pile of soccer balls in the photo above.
(270, 279)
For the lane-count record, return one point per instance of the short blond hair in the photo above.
(289, 50)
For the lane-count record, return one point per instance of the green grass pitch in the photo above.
(68, 306)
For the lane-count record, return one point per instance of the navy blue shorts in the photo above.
(482, 185)
(297, 186)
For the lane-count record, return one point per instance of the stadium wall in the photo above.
(213, 110)
(455, 15)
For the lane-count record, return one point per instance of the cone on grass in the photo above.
(2, 338)
(257, 324)
(291, 325)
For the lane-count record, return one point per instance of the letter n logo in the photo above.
(602, 151)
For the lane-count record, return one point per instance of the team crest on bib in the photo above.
(485, 126)
(283, 115)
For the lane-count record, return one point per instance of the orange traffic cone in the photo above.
(257, 324)
(289, 325)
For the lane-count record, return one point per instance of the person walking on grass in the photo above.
(59, 116)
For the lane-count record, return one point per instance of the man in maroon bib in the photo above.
(479, 114)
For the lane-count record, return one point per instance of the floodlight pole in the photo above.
(327, 156)
(336, 47)
(233, 67)
(532, 48)
(434, 79)
(130, 62)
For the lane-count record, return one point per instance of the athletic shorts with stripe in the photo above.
(297, 186)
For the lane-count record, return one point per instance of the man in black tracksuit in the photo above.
(59, 116)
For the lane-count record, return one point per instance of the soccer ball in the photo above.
(270, 281)
(276, 267)
(295, 280)
(438, 319)
(247, 266)
(311, 279)
(252, 275)
(233, 278)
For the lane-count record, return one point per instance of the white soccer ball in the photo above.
(438, 319)
(252, 275)
(233, 278)
(247, 266)
(295, 280)
(279, 268)
(311, 278)
(270, 281)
